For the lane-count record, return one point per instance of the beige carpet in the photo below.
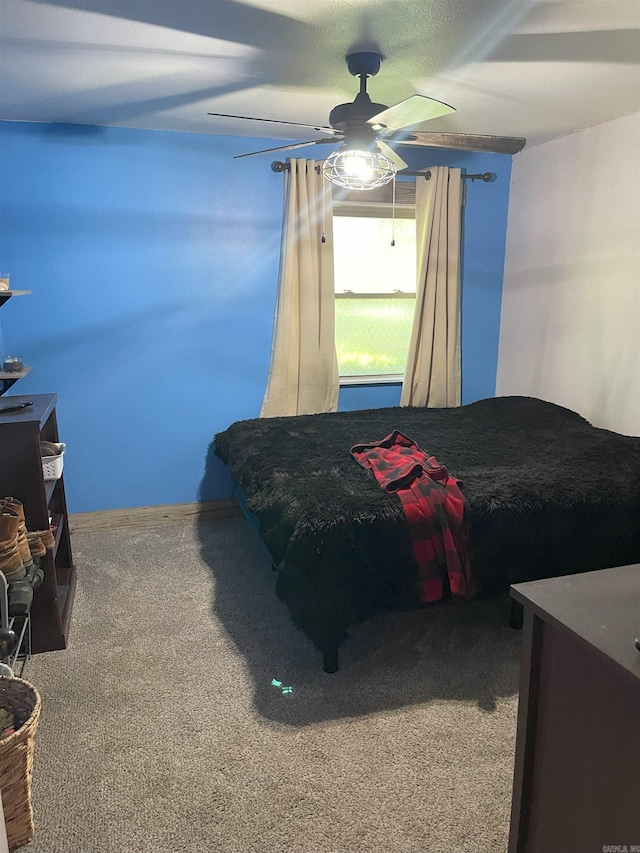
(161, 730)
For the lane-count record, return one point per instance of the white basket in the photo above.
(52, 465)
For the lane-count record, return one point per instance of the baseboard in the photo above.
(151, 516)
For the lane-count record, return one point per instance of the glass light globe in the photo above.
(358, 170)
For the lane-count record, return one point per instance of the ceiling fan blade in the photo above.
(391, 154)
(591, 46)
(286, 147)
(131, 109)
(319, 128)
(413, 110)
(229, 20)
(467, 142)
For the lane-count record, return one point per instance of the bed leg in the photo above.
(516, 614)
(330, 660)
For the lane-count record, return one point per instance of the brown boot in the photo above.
(11, 564)
(45, 536)
(36, 545)
(23, 545)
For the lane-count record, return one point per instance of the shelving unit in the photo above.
(21, 477)
(7, 379)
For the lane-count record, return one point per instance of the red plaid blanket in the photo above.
(434, 508)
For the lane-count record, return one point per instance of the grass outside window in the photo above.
(372, 334)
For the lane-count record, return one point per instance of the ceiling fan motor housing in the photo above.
(351, 119)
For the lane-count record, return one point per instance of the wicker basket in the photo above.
(16, 759)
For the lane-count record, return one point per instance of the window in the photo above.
(375, 283)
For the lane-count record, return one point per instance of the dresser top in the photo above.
(602, 608)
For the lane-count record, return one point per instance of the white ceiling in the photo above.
(533, 68)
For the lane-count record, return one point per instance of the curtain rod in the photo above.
(487, 177)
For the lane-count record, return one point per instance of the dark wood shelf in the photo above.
(49, 488)
(9, 378)
(5, 295)
(58, 522)
(42, 406)
(15, 374)
(66, 594)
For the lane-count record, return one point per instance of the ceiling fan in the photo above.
(367, 132)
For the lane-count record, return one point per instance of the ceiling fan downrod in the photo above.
(351, 118)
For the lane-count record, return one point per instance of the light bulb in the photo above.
(358, 164)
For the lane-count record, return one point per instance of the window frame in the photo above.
(376, 204)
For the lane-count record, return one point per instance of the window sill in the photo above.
(383, 379)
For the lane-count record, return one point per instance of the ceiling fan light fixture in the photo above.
(357, 169)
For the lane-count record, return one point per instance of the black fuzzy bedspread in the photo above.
(547, 494)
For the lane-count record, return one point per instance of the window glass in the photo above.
(372, 335)
(366, 262)
(375, 286)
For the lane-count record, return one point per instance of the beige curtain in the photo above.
(433, 375)
(303, 374)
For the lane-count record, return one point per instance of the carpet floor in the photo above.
(161, 729)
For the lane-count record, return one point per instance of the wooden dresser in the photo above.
(577, 769)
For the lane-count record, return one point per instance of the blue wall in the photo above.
(152, 259)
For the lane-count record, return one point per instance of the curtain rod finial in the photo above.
(278, 166)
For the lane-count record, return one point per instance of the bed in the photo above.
(546, 494)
